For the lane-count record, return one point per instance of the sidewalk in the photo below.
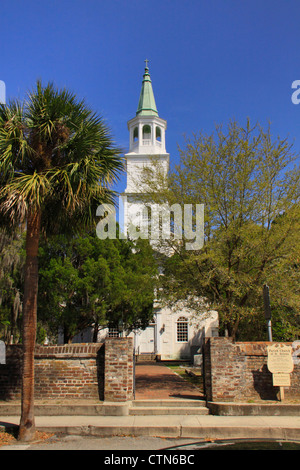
(202, 427)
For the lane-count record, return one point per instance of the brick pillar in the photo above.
(118, 381)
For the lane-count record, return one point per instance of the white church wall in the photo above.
(167, 341)
(135, 165)
(171, 340)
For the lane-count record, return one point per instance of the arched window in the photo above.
(146, 132)
(142, 219)
(135, 134)
(182, 330)
(158, 134)
(137, 220)
(145, 215)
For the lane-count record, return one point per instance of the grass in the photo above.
(196, 380)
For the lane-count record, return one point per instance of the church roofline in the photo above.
(146, 156)
(146, 118)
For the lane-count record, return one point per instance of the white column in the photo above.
(152, 134)
(163, 142)
(140, 134)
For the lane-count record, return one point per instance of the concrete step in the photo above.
(163, 410)
(95, 409)
(136, 407)
(168, 407)
(168, 403)
(145, 357)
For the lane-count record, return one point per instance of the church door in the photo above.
(147, 344)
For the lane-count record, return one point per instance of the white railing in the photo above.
(146, 143)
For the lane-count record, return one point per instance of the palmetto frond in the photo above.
(23, 191)
(54, 148)
(14, 147)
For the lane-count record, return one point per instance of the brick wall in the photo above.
(238, 372)
(73, 371)
(118, 369)
(69, 371)
(10, 373)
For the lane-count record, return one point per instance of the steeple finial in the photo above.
(147, 104)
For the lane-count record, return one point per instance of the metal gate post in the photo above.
(133, 379)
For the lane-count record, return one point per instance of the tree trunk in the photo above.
(95, 332)
(27, 422)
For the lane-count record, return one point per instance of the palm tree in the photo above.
(57, 161)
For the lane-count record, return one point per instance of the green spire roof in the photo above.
(147, 104)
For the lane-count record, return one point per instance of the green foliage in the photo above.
(249, 185)
(85, 281)
(11, 270)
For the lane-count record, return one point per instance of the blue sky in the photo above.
(210, 60)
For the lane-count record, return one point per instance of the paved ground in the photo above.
(207, 428)
(155, 447)
(102, 443)
(156, 381)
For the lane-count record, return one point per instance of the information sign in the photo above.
(280, 379)
(281, 364)
(280, 358)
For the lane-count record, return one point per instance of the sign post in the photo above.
(280, 363)
(267, 307)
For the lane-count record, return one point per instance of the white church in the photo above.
(176, 333)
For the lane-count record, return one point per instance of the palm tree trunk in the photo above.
(27, 422)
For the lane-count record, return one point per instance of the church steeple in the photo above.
(146, 136)
(147, 105)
